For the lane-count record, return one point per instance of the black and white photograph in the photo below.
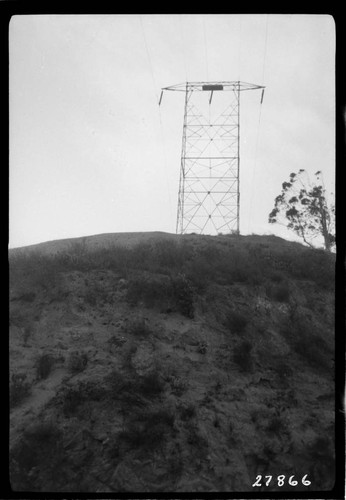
(172, 253)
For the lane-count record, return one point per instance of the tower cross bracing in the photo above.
(209, 194)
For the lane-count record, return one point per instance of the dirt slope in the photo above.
(153, 362)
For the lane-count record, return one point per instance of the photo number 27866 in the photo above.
(280, 480)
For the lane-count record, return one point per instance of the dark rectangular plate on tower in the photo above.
(212, 87)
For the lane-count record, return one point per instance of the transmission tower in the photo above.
(209, 195)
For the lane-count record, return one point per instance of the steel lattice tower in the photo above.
(209, 195)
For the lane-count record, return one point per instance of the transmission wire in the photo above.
(258, 125)
(159, 111)
(239, 48)
(206, 49)
(183, 45)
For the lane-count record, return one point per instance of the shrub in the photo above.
(178, 385)
(17, 317)
(113, 449)
(177, 292)
(27, 332)
(90, 297)
(309, 343)
(140, 256)
(196, 439)
(34, 270)
(276, 426)
(128, 352)
(28, 297)
(77, 361)
(39, 447)
(169, 255)
(136, 436)
(120, 383)
(137, 326)
(321, 457)
(148, 430)
(314, 350)
(283, 372)
(275, 276)
(43, 433)
(321, 447)
(279, 292)
(163, 417)
(235, 266)
(315, 265)
(72, 398)
(151, 384)
(200, 273)
(242, 356)
(97, 294)
(19, 389)
(183, 293)
(44, 366)
(236, 321)
(188, 411)
(132, 389)
(151, 290)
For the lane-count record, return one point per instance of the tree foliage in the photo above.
(303, 207)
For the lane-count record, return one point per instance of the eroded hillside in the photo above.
(175, 364)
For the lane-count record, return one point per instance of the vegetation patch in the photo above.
(276, 426)
(196, 439)
(137, 326)
(279, 291)
(20, 389)
(242, 355)
(236, 321)
(309, 343)
(77, 361)
(97, 294)
(152, 383)
(130, 387)
(315, 265)
(187, 411)
(315, 351)
(127, 355)
(148, 429)
(283, 372)
(321, 456)
(211, 279)
(39, 450)
(183, 294)
(71, 400)
(33, 270)
(151, 290)
(176, 293)
(44, 366)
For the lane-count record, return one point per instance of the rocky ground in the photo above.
(174, 364)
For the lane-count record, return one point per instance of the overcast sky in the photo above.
(92, 152)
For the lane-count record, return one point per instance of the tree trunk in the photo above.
(324, 226)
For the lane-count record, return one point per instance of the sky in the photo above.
(91, 151)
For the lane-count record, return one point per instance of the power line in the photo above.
(206, 50)
(149, 58)
(160, 119)
(183, 45)
(239, 48)
(259, 121)
(265, 48)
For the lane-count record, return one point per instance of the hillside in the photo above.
(152, 362)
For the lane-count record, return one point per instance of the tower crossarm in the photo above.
(213, 86)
